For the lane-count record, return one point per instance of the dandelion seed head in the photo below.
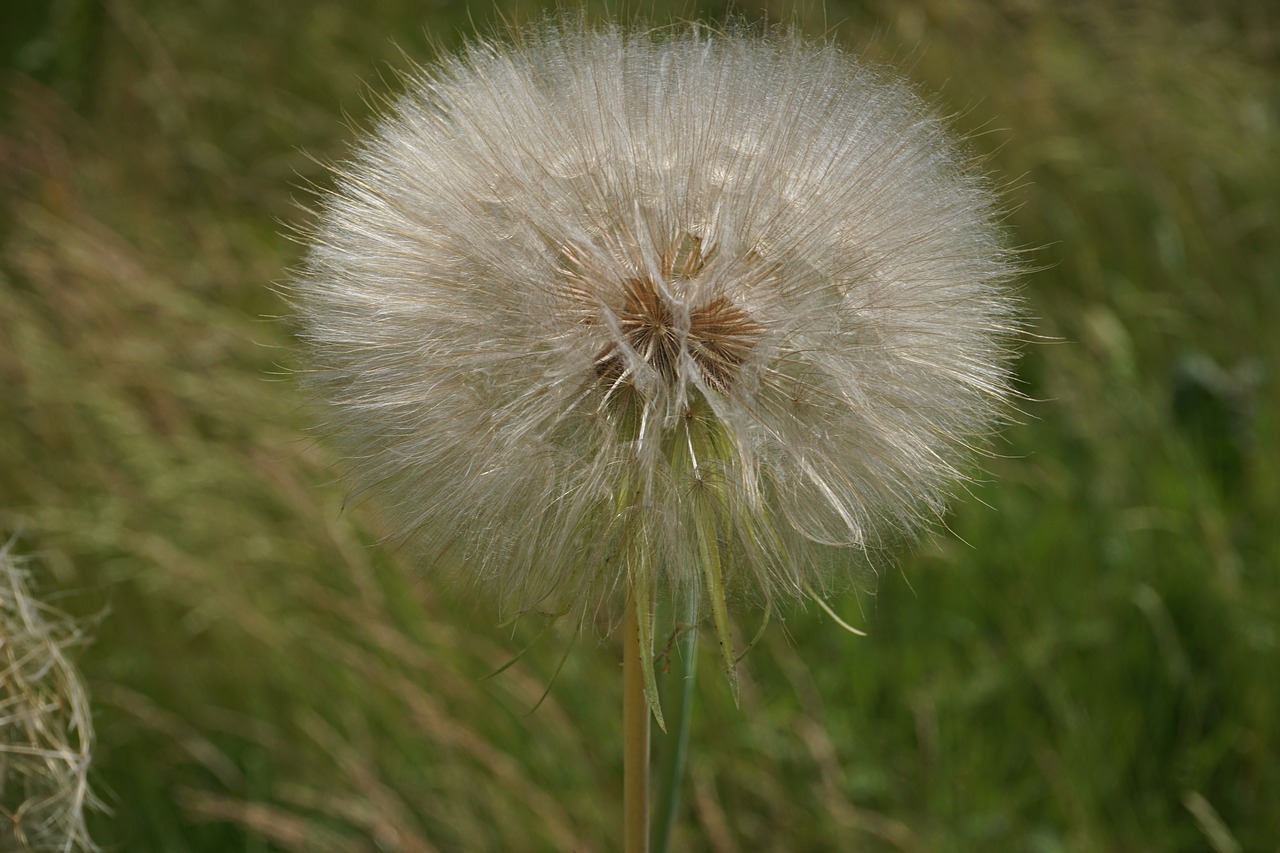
(572, 295)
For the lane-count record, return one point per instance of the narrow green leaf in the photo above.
(716, 594)
(642, 589)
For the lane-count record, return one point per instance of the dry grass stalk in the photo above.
(46, 733)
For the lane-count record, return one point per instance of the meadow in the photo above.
(1085, 657)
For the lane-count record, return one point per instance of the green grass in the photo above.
(1084, 660)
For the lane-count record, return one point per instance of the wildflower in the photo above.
(694, 312)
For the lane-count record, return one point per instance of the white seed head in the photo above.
(586, 303)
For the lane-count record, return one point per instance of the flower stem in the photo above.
(676, 745)
(635, 735)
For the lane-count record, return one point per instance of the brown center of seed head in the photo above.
(720, 336)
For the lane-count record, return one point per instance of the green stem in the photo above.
(635, 734)
(676, 744)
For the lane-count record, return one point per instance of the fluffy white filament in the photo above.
(589, 305)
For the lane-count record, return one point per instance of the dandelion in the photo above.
(606, 313)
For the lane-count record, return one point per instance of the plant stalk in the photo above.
(635, 736)
(676, 744)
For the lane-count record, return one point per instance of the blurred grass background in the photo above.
(1088, 659)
